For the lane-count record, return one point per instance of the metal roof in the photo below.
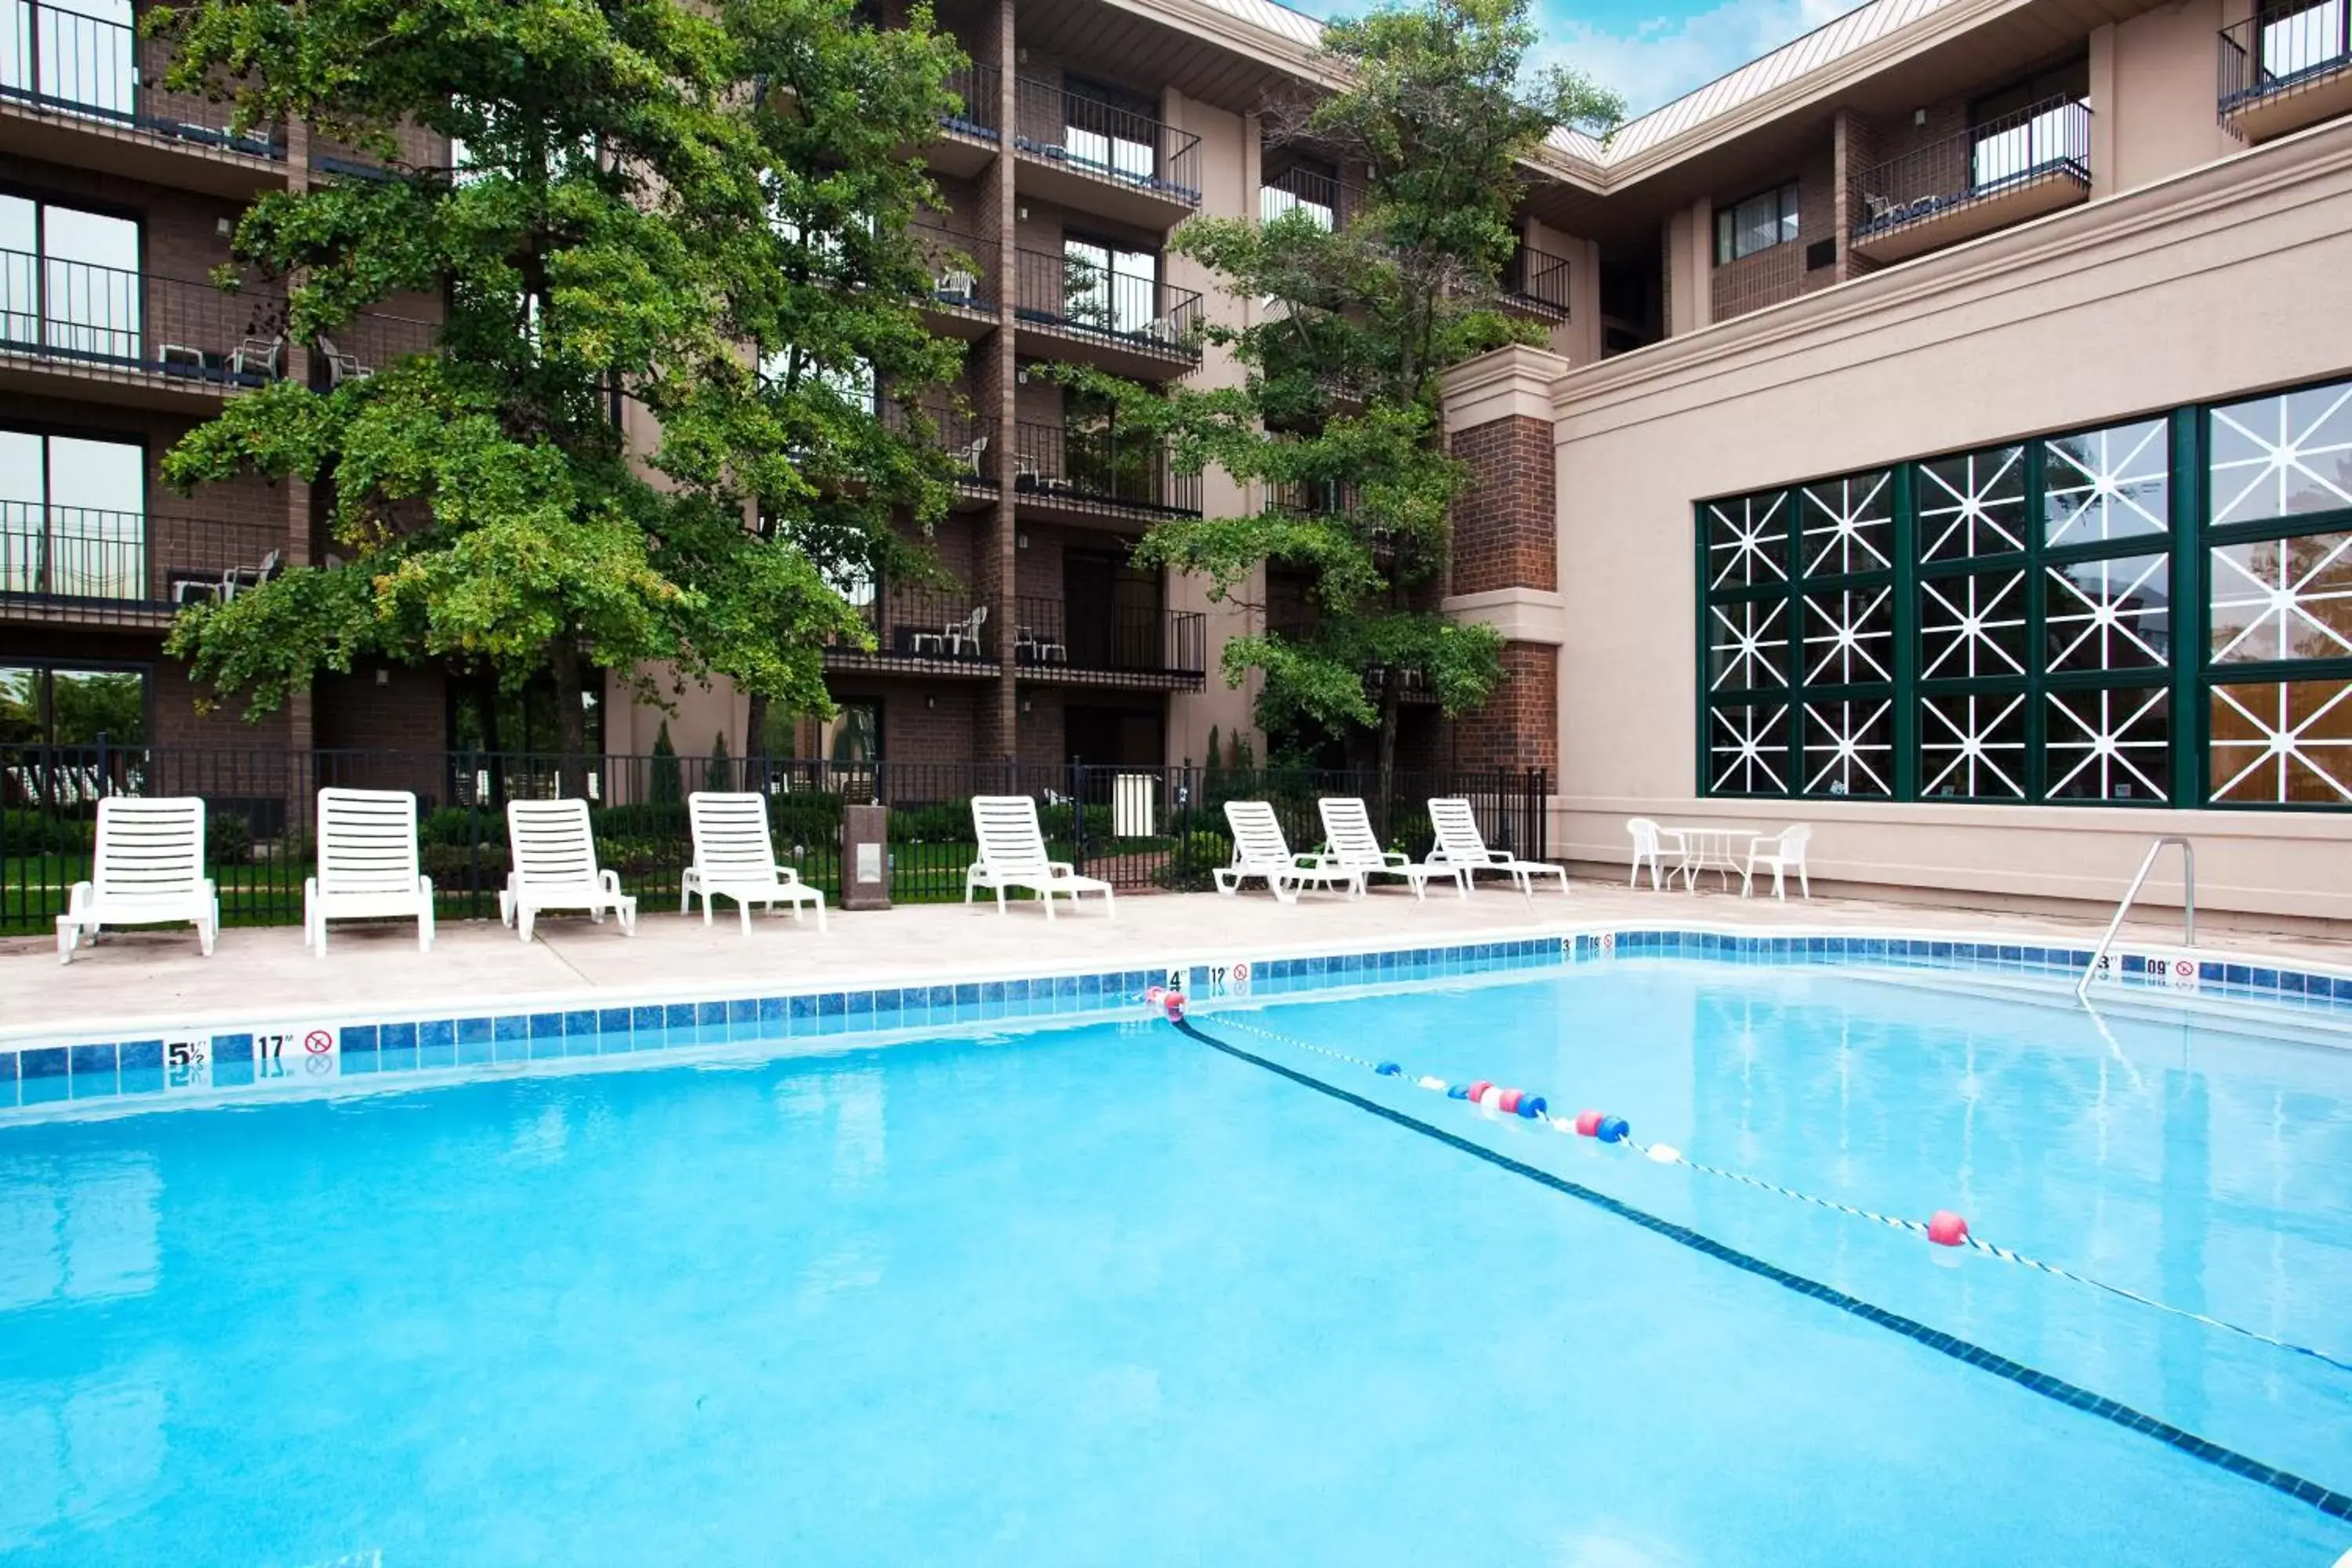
(1825, 44)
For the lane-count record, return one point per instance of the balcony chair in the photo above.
(147, 867)
(1260, 850)
(966, 457)
(367, 865)
(340, 367)
(735, 858)
(1462, 846)
(955, 286)
(258, 359)
(1778, 853)
(1349, 843)
(237, 579)
(1013, 855)
(1041, 651)
(554, 866)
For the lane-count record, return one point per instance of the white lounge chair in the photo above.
(1013, 855)
(1260, 850)
(146, 868)
(1647, 838)
(367, 865)
(1349, 843)
(735, 858)
(1778, 853)
(555, 867)
(1462, 846)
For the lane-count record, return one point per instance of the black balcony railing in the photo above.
(969, 440)
(1537, 280)
(1074, 294)
(2281, 50)
(365, 344)
(959, 267)
(111, 319)
(1088, 136)
(1103, 468)
(1120, 639)
(930, 625)
(63, 60)
(89, 565)
(2052, 138)
(1315, 498)
(978, 117)
(1328, 203)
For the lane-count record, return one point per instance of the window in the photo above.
(1107, 287)
(69, 282)
(55, 705)
(2278, 645)
(2157, 611)
(855, 733)
(2300, 39)
(76, 56)
(1116, 132)
(73, 517)
(853, 383)
(1308, 186)
(2030, 129)
(1760, 223)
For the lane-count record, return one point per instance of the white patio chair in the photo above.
(1349, 843)
(555, 867)
(1787, 853)
(967, 631)
(367, 865)
(1648, 837)
(1013, 855)
(147, 868)
(735, 858)
(966, 457)
(1260, 850)
(1462, 846)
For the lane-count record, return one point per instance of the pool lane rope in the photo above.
(1944, 1228)
(2336, 1504)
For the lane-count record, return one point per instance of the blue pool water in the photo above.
(1105, 1295)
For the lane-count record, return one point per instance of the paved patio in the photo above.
(157, 977)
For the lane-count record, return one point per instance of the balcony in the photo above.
(1328, 203)
(1098, 158)
(966, 439)
(1131, 326)
(1989, 177)
(1109, 645)
(969, 135)
(73, 90)
(82, 566)
(137, 329)
(924, 631)
(1535, 283)
(2282, 70)
(1101, 473)
(962, 300)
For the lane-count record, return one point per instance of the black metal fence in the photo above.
(1080, 295)
(61, 59)
(1102, 467)
(1143, 828)
(977, 86)
(1536, 280)
(1124, 146)
(2283, 48)
(107, 567)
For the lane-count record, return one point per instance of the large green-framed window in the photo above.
(2153, 612)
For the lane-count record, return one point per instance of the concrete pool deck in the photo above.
(157, 977)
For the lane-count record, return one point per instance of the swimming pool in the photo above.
(1104, 1293)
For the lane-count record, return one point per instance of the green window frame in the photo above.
(2155, 611)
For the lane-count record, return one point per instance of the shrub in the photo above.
(807, 817)
(656, 819)
(229, 839)
(453, 825)
(1194, 858)
(24, 831)
(450, 865)
(665, 785)
(718, 773)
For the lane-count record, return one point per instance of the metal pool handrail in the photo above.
(2188, 906)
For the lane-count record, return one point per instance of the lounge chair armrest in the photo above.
(1060, 868)
(610, 880)
(424, 888)
(79, 898)
(1395, 857)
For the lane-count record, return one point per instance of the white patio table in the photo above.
(1710, 847)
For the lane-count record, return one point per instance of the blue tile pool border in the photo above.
(39, 1074)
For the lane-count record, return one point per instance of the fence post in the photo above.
(473, 855)
(1078, 817)
(105, 772)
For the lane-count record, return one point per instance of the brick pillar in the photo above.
(1504, 570)
(1855, 149)
(995, 714)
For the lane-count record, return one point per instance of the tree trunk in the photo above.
(755, 730)
(570, 669)
(1389, 716)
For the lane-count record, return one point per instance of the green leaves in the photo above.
(642, 205)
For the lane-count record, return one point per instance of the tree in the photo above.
(666, 786)
(719, 770)
(1339, 415)
(694, 209)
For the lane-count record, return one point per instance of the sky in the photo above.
(1650, 51)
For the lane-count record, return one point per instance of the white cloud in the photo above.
(1666, 56)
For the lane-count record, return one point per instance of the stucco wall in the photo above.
(2231, 278)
